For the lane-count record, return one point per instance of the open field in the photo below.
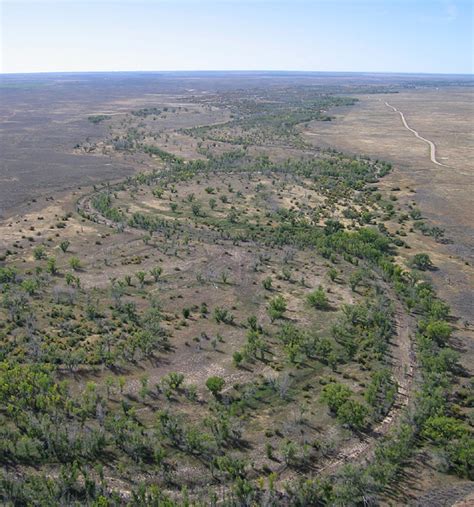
(41, 121)
(444, 194)
(211, 294)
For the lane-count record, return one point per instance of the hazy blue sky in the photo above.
(319, 35)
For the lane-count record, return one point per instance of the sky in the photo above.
(420, 36)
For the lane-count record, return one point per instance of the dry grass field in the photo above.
(444, 194)
(443, 116)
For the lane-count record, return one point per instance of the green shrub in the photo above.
(215, 385)
(318, 299)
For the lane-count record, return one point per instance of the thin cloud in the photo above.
(451, 12)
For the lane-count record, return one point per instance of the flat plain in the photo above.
(229, 289)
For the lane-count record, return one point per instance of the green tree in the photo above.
(144, 386)
(332, 226)
(353, 414)
(75, 263)
(64, 245)
(380, 393)
(253, 323)
(443, 429)
(196, 209)
(332, 273)
(29, 285)
(237, 358)
(335, 395)
(141, 275)
(318, 299)
(324, 349)
(421, 261)
(223, 315)
(215, 385)
(289, 452)
(276, 308)
(39, 252)
(156, 272)
(460, 454)
(51, 266)
(174, 380)
(439, 331)
(356, 278)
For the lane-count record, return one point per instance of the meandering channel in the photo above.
(430, 143)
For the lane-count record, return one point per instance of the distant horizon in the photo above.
(238, 71)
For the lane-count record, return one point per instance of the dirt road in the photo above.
(430, 143)
(403, 370)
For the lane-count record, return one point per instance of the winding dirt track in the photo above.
(403, 369)
(430, 143)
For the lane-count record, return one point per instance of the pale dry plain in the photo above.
(444, 194)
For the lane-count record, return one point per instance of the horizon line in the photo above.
(235, 71)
